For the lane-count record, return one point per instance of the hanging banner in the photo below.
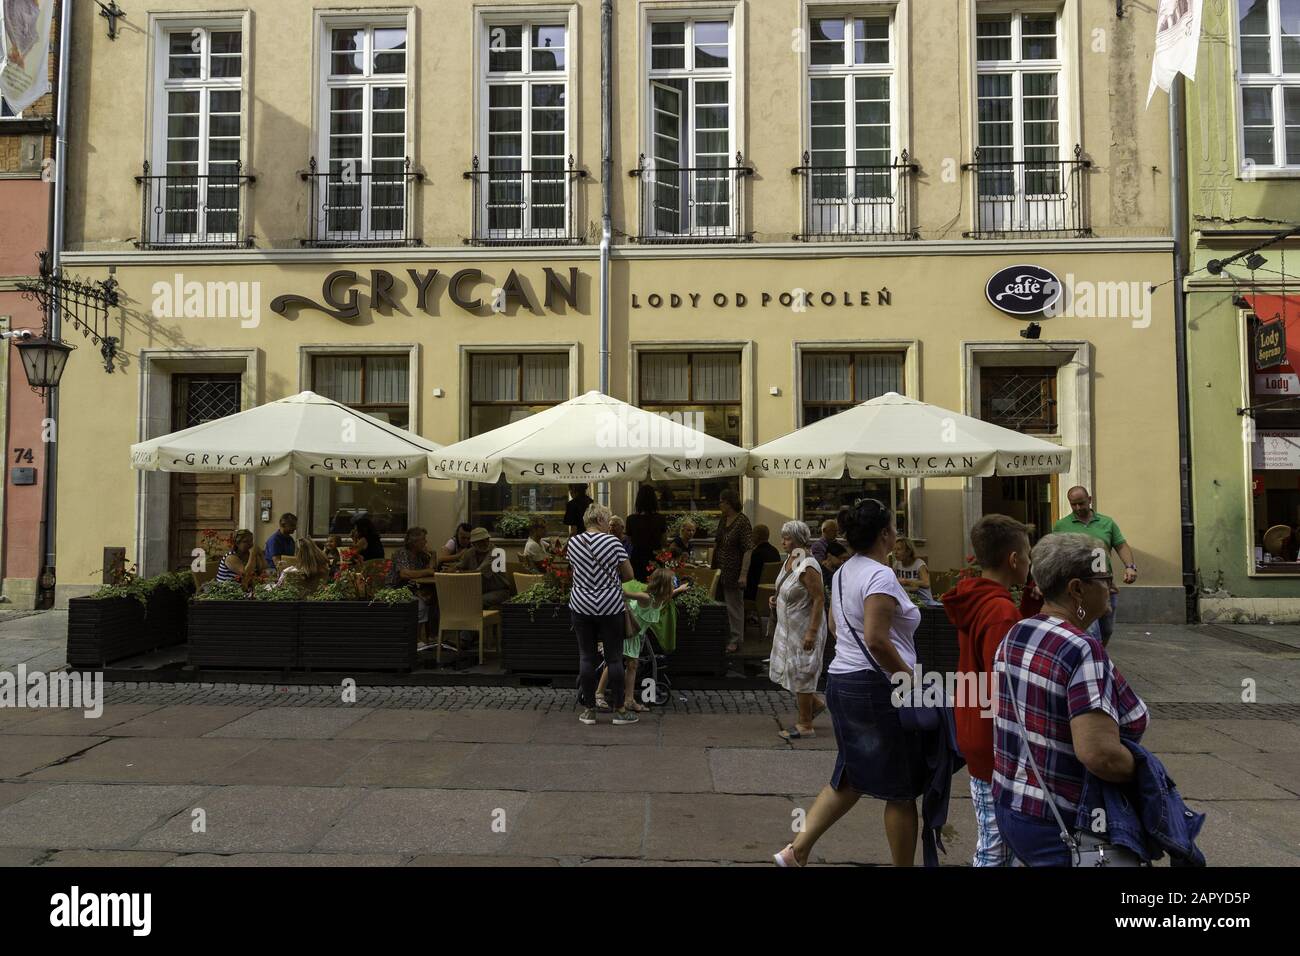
(25, 44)
(1178, 34)
(1279, 318)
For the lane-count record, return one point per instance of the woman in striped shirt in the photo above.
(244, 564)
(600, 566)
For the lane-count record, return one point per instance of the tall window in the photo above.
(703, 388)
(834, 382)
(1269, 78)
(850, 94)
(377, 385)
(505, 388)
(365, 134)
(198, 151)
(527, 130)
(692, 143)
(1019, 117)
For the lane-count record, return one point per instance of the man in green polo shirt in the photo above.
(1083, 520)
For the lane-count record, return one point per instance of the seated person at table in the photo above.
(450, 553)
(333, 555)
(281, 543)
(244, 564)
(312, 569)
(413, 567)
(366, 540)
(479, 557)
(535, 551)
(762, 553)
(681, 543)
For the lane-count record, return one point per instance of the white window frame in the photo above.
(692, 75)
(854, 215)
(1068, 119)
(162, 84)
(527, 17)
(1277, 81)
(370, 21)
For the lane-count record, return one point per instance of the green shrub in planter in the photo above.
(278, 592)
(514, 523)
(222, 591)
(393, 596)
(689, 603)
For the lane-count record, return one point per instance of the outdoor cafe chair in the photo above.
(523, 581)
(460, 608)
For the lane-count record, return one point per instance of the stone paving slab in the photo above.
(392, 725)
(1272, 736)
(145, 760)
(291, 723)
(76, 723)
(565, 728)
(1190, 737)
(20, 856)
(425, 821)
(304, 763)
(1280, 769)
(715, 826)
(579, 824)
(180, 720)
(254, 819)
(459, 861)
(288, 859)
(768, 771)
(628, 768)
(89, 816)
(490, 727)
(21, 755)
(1206, 777)
(14, 792)
(108, 858)
(1249, 833)
(724, 730)
(407, 763)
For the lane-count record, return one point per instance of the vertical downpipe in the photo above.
(606, 190)
(1178, 210)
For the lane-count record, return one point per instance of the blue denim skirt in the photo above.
(876, 757)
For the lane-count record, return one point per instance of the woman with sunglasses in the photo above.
(1060, 694)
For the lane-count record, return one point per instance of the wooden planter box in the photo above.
(936, 641)
(541, 641)
(357, 635)
(234, 634)
(103, 630)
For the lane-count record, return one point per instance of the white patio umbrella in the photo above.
(589, 438)
(306, 433)
(897, 437)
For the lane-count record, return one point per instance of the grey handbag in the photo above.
(1086, 849)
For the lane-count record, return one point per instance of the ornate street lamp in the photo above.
(43, 358)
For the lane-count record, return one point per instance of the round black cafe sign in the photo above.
(1023, 290)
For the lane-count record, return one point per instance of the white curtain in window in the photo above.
(878, 373)
(826, 378)
(664, 377)
(546, 377)
(387, 380)
(494, 378)
(717, 376)
(339, 378)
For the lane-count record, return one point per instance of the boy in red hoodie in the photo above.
(982, 611)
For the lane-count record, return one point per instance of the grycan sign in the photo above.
(1023, 290)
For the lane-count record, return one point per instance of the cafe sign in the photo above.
(1023, 290)
(1270, 345)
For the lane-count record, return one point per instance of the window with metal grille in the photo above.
(377, 385)
(206, 399)
(505, 387)
(1019, 398)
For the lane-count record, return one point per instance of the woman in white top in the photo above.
(912, 572)
(797, 645)
(872, 621)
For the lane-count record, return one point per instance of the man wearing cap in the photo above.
(1083, 520)
(479, 557)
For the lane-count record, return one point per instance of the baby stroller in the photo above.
(654, 686)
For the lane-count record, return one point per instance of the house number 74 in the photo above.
(23, 454)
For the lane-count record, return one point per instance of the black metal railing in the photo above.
(521, 207)
(352, 206)
(869, 203)
(692, 203)
(194, 211)
(1033, 197)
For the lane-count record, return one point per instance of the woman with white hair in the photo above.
(1057, 678)
(800, 605)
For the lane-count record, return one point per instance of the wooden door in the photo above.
(201, 501)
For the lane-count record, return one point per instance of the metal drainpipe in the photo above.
(1178, 208)
(606, 189)
(48, 519)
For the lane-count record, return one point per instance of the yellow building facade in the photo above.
(811, 204)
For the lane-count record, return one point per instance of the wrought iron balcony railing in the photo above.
(1041, 198)
(521, 207)
(692, 203)
(869, 203)
(352, 206)
(193, 211)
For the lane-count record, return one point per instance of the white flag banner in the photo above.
(25, 51)
(1178, 35)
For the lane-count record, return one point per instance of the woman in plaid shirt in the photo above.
(1075, 704)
